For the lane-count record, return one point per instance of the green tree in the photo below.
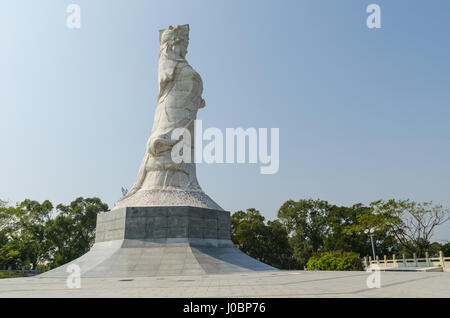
(306, 223)
(72, 232)
(267, 243)
(278, 251)
(445, 248)
(434, 249)
(23, 233)
(34, 234)
(340, 219)
(247, 232)
(411, 224)
(347, 232)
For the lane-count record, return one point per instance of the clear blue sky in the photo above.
(363, 114)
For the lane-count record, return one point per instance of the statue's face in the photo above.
(179, 46)
(176, 39)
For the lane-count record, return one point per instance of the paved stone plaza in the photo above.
(255, 284)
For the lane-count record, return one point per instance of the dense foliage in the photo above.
(335, 261)
(266, 242)
(36, 235)
(9, 275)
(444, 248)
(310, 228)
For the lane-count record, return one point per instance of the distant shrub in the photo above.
(446, 249)
(9, 275)
(335, 261)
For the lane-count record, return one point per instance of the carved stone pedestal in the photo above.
(163, 224)
(160, 241)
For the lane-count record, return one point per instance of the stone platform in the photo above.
(162, 241)
(163, 224)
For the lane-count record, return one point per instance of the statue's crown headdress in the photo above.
(180, 31)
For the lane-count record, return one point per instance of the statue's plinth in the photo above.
(161, 241)
(163, 224)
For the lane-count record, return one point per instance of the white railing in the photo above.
(394, 262)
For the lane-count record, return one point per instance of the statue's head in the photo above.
(176, 39)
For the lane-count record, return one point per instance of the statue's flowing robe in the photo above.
(178, 101)
(161, 181)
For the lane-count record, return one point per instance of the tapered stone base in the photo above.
(160, 241)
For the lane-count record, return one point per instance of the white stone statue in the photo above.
(161, 181)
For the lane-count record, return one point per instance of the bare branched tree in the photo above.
(412, 223)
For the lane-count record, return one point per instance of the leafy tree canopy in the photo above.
(34, 234)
